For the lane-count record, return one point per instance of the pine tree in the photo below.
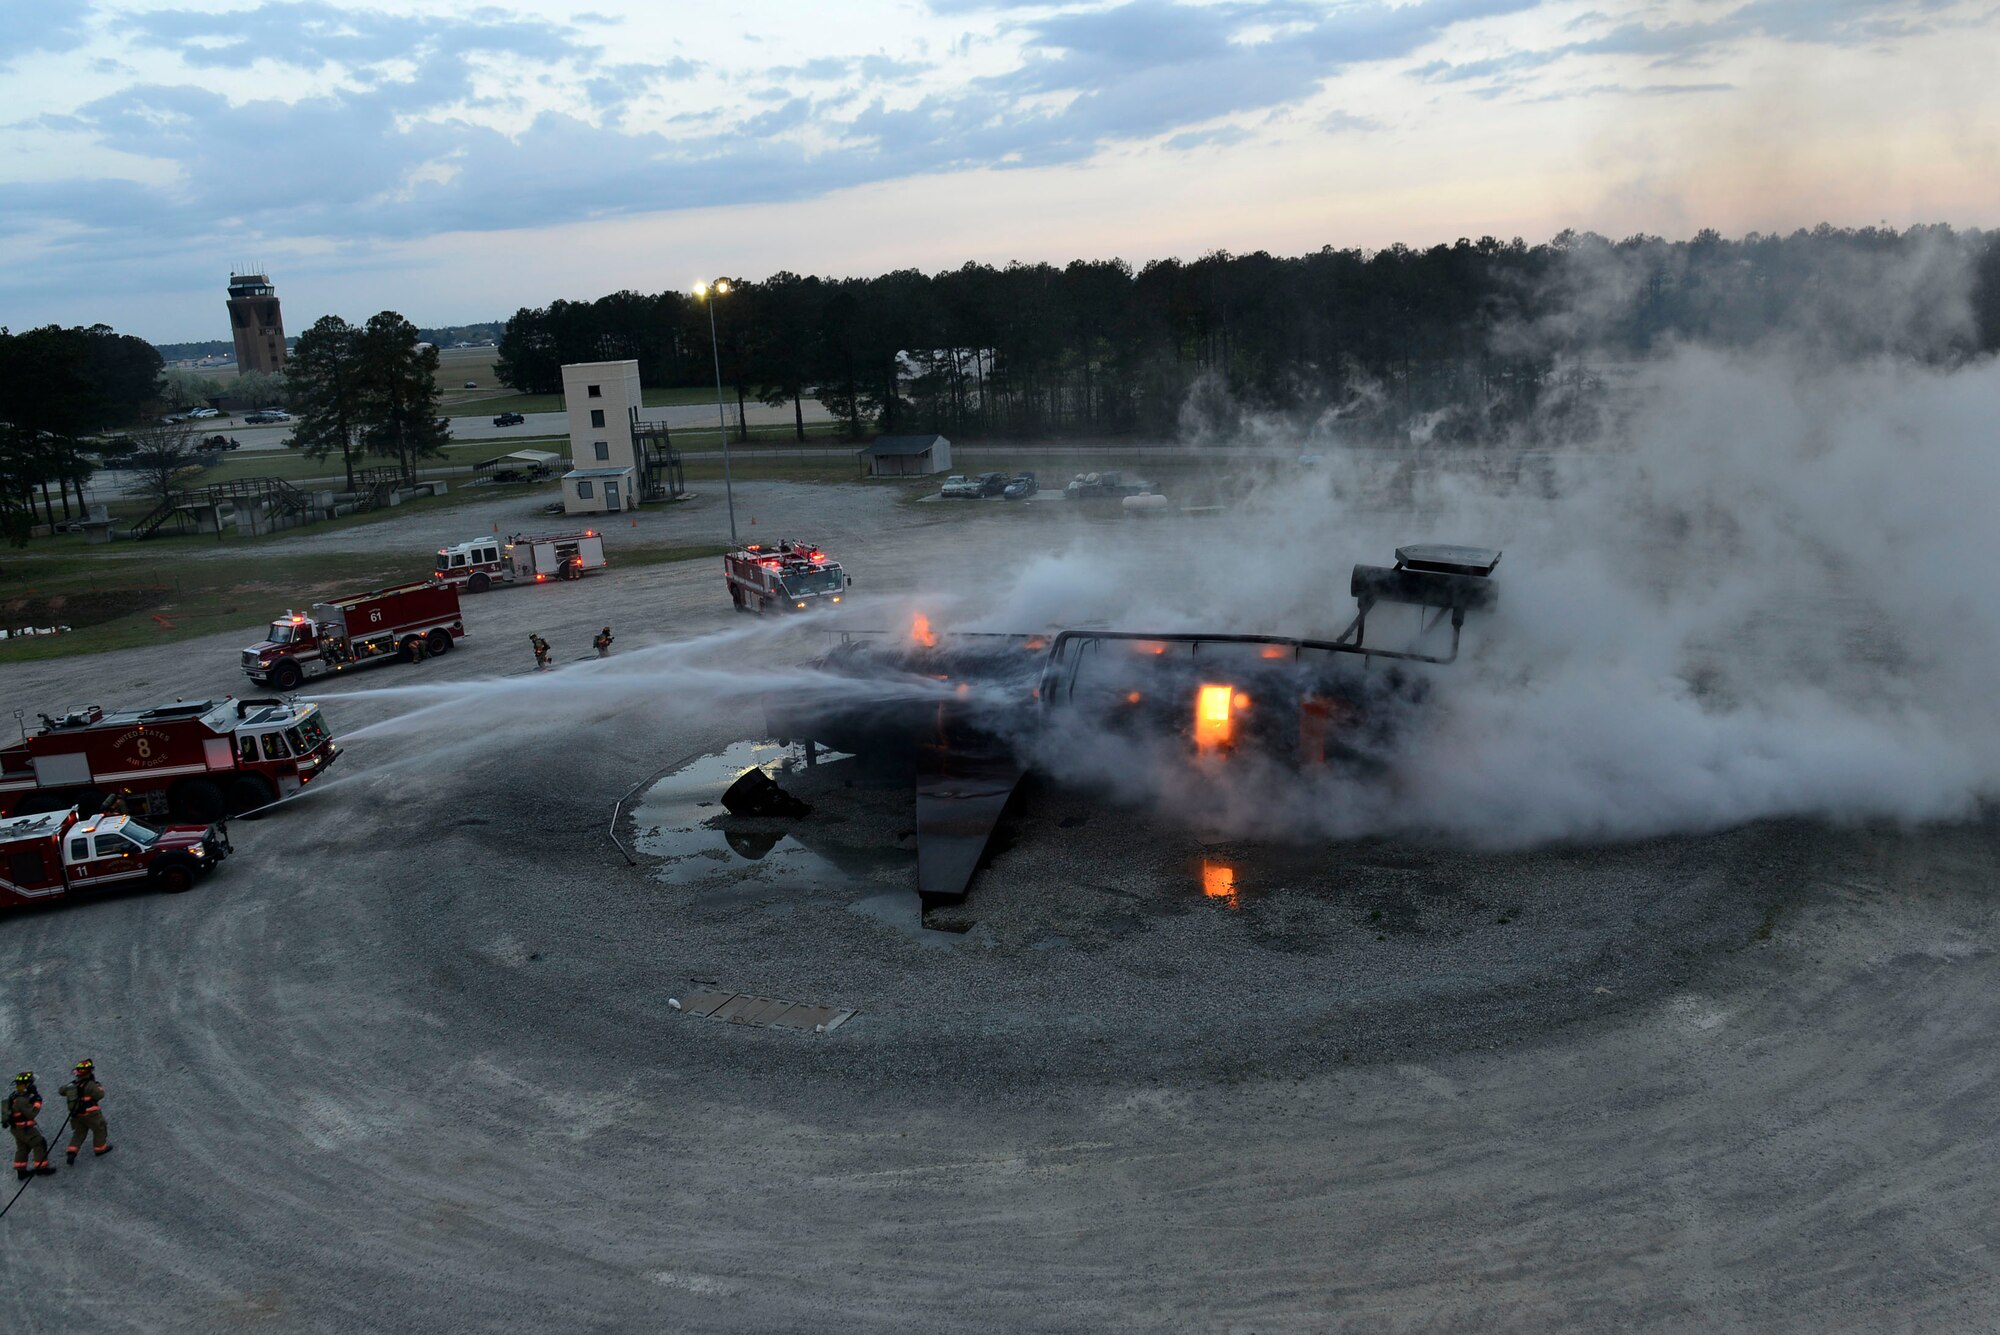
(400, 393)
(323, 381)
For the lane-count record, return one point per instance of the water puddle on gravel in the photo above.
(681, 821)
(734, 860)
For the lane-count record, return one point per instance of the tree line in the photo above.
(58, 388)
(1472, 337)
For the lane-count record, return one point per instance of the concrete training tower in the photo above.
(256, 324)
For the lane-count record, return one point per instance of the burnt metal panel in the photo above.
(960, 795)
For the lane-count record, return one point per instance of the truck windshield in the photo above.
(829, 580)
(140, 835)
(312, 731)
(283, 632)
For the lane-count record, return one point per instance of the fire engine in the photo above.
(478, 565)
(185, 761)
(407, 622)
(787, 577)
(53, 854)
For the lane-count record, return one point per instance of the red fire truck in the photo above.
(53, 854)
(192, 761)
(787, 576)
(408, 622)
(478, 565)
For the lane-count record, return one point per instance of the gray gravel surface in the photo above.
(408, 1060)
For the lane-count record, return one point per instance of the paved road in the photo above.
(698, 420)
(409, 1061)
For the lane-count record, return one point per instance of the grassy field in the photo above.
(500, 399)
(118, 598)
(293, 466)
(458, 495)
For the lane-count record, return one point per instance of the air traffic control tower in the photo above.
(254, 320)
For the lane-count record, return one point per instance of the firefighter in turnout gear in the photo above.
(602, 643)
(541, 647)
(84, 1096)
(31, 1150)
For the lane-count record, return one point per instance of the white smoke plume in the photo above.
(1766, 597)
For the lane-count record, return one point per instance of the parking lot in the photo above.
(413, 1058)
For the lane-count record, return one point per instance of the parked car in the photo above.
(472, 384)
(205, 412)
(266, 416)
(959, 486)
(991, 484)
(219, 443)
(509, 419)
(1020, 487)
(1107, 486)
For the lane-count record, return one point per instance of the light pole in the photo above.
(709, 292)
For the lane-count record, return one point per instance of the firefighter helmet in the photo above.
(25, 1078)
(86, 1066)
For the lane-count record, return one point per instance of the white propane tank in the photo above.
(1153, 503)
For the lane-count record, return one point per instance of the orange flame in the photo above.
(920, 631)
(1212, 710)
(1218, 881)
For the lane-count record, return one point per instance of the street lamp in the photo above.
(709, 292)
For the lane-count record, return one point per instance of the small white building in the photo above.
(599, 491)
(906, 456)
(599, 398)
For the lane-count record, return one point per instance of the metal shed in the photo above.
(906, 456)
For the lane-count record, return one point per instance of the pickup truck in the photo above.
(509, 419)
(53, 854)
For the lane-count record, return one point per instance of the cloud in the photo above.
(1222, 137)
(364, 124)
(314, 35)
(36, 26)
(402, 133)
(1804, 22)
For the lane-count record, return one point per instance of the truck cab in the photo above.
(474, 566)
(56, 853)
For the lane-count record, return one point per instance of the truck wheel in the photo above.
(176, 878)
(286, 675)
(195, 800)
(478, 584)
(247, 792)
(438, 642)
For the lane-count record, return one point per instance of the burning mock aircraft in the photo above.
(980, 705)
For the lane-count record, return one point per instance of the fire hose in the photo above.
(32, 1176)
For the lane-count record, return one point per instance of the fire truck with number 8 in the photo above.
(192, 761)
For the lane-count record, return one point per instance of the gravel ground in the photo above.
(409, 1059)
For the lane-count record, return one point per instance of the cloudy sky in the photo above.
(455, 163)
